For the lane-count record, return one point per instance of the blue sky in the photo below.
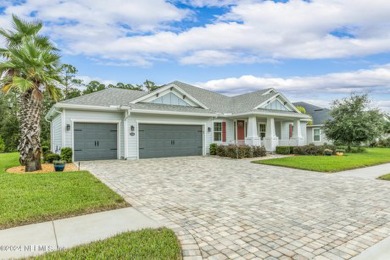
(313, 51)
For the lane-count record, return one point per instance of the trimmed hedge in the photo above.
(240, 151)
(213, 149)
(284, 149)
(50, 157)
(66, 154)
(312, 149)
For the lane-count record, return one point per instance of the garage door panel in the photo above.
(169, 140)
(95, 141)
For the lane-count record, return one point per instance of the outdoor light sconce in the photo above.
(67, 127)
(132, 128)
(209, 129)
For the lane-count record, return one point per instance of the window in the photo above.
(317, 135)
(262, 130)
(217, 131)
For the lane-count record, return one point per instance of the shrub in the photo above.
(328, 152)
(340, 150)
(240, 151)
(213, 149)
(50, 157)
(221, 150)
(2, 145)
(357, 150)
(45, 150)
(259, 151)
(283, 149)
(66, 154)
(312, 149)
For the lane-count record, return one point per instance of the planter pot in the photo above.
(59, 167)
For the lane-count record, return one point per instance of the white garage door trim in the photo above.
(138, 122)
(118, 122)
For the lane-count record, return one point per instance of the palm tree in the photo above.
(30, 67)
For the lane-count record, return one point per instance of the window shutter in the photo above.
(290, 130)
(223, 131)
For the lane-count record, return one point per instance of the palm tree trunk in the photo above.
(30, 145)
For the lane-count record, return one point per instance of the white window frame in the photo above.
(214, 131)
(265, 129)
(314, 129)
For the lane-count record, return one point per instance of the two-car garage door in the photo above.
(156, 140)
(98, 141)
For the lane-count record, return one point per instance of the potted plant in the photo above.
(59, 165)
(328, 152)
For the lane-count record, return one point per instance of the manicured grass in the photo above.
(385, 177)
(29, 198)
(144, 244)
(373, 156)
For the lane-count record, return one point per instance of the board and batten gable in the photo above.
(56, 134)
(72, 116)
(137, 118)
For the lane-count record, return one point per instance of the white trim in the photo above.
(218, 121)
(259, 133)
(162, 89)
(63, 128)
(188, 101)
(118, 122)
(159, 112)
(269, 91)
(314, 134)
(303, 117)
(157, 122)
(89, 107)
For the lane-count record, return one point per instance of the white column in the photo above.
(271, 140)
(297, 133)
(284, 133)
(252, 137)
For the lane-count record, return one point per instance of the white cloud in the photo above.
(322, 89)
(138, 32)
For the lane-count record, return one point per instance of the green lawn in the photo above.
(385, 177)
(144, 244)
(373, 156)
(29, 198)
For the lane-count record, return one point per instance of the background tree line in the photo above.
(71, 87)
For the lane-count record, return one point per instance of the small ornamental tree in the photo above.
(354, 121)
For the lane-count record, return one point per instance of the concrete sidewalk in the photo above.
(35, 239)
(371, 172)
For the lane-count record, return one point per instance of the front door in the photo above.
(240, 130)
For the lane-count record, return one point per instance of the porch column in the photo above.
(271, 140)
(252, 137)
(297, 133)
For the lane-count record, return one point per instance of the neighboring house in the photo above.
(175, 120)
(315, 131)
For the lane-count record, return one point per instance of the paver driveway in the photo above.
(222, 208)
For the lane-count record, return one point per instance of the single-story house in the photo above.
(175, 120)
(315, 130)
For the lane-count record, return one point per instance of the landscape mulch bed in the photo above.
(46, 168)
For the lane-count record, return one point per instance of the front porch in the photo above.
(268, 131)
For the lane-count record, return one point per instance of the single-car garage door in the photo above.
(93, 141)
(169, 140)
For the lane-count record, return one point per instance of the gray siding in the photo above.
(310, 137)
(56, 134)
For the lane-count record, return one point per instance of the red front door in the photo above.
(240, 130)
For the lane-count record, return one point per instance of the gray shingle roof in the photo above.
(107, 97)
(319, 114)
(215, 102)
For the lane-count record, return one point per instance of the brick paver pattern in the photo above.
(230, 209)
